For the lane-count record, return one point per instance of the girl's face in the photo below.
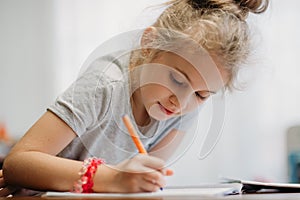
(171, 86)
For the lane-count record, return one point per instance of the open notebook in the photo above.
(201, 191)
(248, 187)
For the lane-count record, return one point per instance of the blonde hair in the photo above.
(219, 26)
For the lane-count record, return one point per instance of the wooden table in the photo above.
(284, 196)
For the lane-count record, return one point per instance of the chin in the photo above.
(156, 113)
(159, 116)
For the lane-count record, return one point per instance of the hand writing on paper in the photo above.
(142, 173)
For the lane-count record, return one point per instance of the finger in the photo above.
(167, 172)
(151, 161)
(4, 192)
(150, 186)
(156, 177)
(2, 183)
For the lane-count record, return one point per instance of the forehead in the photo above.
(202, 71)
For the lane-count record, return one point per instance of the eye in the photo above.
(177, 79)
(202, 94)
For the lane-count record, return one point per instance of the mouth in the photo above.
(166, 111)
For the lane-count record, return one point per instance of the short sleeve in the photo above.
(87, 100)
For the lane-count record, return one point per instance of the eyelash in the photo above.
(199, 96)
(182, 83)
(175, 80)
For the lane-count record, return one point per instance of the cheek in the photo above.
(192, 105)
(154, 91)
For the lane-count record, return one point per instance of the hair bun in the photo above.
(198, 4)
(240, 8)
(255, 6)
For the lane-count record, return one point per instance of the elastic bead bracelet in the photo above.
(87, 172)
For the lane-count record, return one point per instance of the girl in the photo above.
(192, 51)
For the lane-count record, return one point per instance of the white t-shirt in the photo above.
(93, 107)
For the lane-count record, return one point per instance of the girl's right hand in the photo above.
(142, 173)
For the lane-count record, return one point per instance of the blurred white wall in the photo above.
(44, 43)
(27, 71)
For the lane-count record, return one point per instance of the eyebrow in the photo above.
(188, 78)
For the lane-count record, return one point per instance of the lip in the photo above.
(166, 111)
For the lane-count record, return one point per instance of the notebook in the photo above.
(199, 191)
(263, 187)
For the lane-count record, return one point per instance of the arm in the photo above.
(32, 163)
(35, 154)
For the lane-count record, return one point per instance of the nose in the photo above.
(173, 99)
(178, 105)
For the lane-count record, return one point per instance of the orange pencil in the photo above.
(139, 145)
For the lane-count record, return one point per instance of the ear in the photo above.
(148, 37)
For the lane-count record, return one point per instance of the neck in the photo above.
(139, 112)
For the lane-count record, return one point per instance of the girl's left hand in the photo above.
(6, 190)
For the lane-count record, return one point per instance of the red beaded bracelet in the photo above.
(85, 183)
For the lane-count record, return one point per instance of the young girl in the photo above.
(193, 50)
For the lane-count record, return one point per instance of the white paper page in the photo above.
(184, 192)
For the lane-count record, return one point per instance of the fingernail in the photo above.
(169, 172)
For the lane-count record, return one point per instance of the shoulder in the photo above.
(112, 67)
